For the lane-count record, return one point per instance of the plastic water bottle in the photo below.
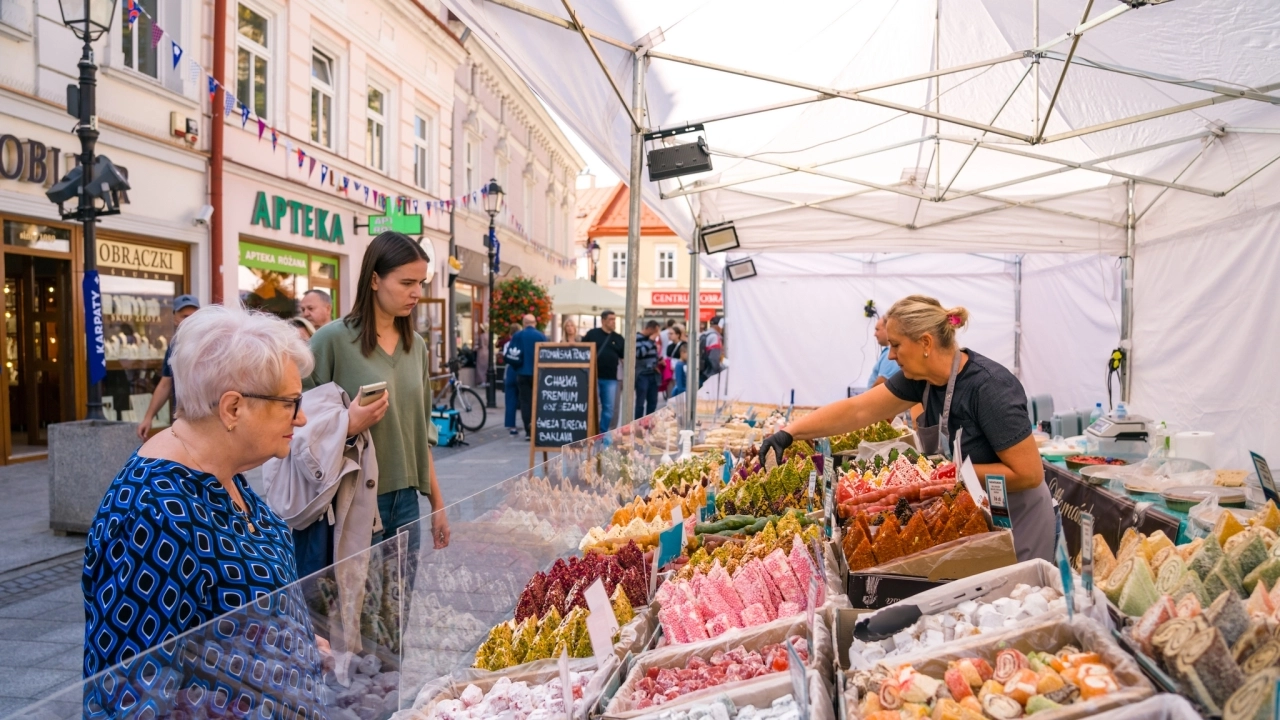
(1121, 411)
(1097, 413)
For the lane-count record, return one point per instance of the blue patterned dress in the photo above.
(167, 554)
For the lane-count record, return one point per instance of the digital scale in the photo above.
(1110, 436)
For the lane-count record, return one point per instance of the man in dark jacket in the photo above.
(647, 377)
(526, 341)
(609, 350)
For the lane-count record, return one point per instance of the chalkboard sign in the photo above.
(564, 395)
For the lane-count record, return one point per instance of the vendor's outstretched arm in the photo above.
(1019, 464)
(848, 415)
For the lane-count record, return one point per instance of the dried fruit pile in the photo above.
(871, 540)
(642, 519)
(516, 642)
(878, 432)
(562, 588)
(662, 685)
(971, 689)
(768, 492)
(760, 590)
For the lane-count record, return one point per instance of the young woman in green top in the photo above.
(375, 342)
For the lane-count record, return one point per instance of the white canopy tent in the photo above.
(583, 297)
(992, 126)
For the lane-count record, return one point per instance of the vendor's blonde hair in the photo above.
(920, 315)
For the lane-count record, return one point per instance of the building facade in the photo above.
(342, 116)
(502, 132)
(664, 261)
(155, 249)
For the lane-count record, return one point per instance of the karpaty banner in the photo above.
(95, 345)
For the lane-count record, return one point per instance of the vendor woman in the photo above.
(968, 395)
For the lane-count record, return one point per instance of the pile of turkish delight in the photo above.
(969, 618)
(663, 685)
(710, 604)
(515, 700)
(722, 708)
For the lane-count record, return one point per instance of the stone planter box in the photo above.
(84, 457)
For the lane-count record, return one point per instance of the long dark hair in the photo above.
(387, 252)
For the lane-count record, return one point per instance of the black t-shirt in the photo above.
(989, 403)
(609, 350)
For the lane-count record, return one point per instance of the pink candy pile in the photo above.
(710, 604)
(662, 685)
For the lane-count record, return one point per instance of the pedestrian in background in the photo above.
(647, 376)
(671, 356)
(374, 343)
(680, 373)
(885, 367)
(610, 348)
(568, 330)
(184, 306)
(305, 329)
(316, 308)
(711, 350)
(527, 340)
(510, 381)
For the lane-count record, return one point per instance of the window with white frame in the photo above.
(253, 59)
(375, 136)
(135, 38)
(424, 152)
(709, 273)
(666, 262)
(528, 205)
(323, 81)
(617, 263)
(468, 165)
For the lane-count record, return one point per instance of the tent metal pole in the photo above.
(693, 330)
(1091, 166)
(942, 192)
(856, 97)
(1035, 59)
(634, 114)
(818, 205)
(627, 403)
(1159, 77)
(1017, 317)
(1085, 26)
(1215, 100)
(1126, 296)
(937, 100)
(1160, 194)
(1053, 100)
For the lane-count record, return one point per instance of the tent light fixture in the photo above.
(677, 160)
(740, 269)
(719, 238)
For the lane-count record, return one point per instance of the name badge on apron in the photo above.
(934, 439)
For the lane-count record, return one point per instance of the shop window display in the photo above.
(274, 280)
(137, 315)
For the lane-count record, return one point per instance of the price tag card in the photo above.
(811, 601)
(1086, 552)
(598, 602)
(799, 681)
(670, 543)
(1064, 569)
(1264, 477)
(709, 511)
(974, 485)
(999, 502)
(566, 685)
(822, 566)
(813, 482)
(828, 513)
(653, 571)
(728, 467)
(601, 628)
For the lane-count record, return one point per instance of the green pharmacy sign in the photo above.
(303, 219)
(396, 220)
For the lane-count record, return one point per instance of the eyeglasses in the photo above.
(296, 402)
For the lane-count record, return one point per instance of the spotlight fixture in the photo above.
(741, 269)
(678, 160)
(719, 238)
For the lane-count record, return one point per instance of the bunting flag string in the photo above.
(157, 32)
(177, 54)
(244, 115)
(261, 127)
(132, 8)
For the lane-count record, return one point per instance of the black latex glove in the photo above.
(777, 442)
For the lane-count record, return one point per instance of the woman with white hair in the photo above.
(180, 538)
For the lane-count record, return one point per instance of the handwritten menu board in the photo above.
(564, 395)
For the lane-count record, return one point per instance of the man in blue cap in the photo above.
(184, 306)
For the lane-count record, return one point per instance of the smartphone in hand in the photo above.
(370, 393)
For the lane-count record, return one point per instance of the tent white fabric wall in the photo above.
(1208, 333)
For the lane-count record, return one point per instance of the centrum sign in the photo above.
(306, 220)
(681, 297)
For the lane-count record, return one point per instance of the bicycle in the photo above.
(466, 401)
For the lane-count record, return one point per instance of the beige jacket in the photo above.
(326, 479)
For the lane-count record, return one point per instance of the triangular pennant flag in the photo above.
(345, 182)
(301, 155)
(230, 103)
(415, 207)
(312, 170)
(177, 54)
(157, 32)
(244, 115)
(366, 192)
(213, 88)
(274, 138)
(132, 7)
(261, 128)
(324, 171)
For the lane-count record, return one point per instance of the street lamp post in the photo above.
(593, 251)
(89, 19)
(492, 197)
